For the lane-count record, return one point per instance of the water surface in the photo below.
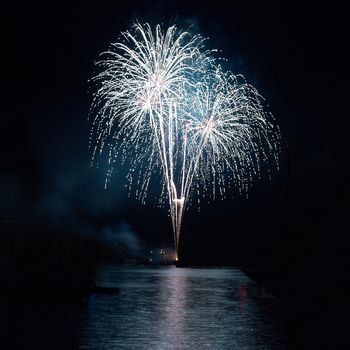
(180, 308)
(163, 308)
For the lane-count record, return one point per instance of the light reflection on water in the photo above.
(180, 308)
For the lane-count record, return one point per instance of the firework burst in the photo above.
(165, 106)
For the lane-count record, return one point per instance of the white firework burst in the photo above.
(165, 106)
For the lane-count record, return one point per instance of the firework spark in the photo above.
(164, 105)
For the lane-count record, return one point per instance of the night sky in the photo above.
(292, 53)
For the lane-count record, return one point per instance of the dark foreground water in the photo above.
(157, 308)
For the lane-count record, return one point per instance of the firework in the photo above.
(165, 106)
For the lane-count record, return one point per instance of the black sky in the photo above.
(294, 55)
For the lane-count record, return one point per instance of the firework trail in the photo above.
(164, 105)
